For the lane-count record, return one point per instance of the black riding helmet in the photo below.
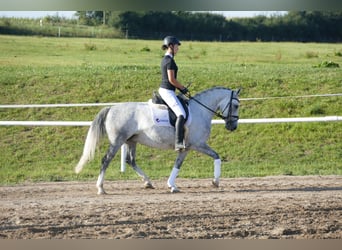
(170, 40)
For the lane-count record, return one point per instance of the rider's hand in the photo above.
(184, 91)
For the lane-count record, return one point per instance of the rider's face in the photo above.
(175, 48)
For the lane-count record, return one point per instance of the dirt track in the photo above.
(271, 207)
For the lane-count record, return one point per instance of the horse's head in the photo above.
(230, 113)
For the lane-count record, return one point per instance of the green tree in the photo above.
(92, 18)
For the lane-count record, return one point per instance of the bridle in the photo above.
(227, 118)
(229, 105)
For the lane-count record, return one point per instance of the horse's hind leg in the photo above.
(130, 159)
(105, 162)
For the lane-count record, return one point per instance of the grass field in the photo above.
(68, 70)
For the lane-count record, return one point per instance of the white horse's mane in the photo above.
(198, 95)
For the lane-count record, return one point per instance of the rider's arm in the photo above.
(173, 80)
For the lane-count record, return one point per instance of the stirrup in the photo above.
(180, 147)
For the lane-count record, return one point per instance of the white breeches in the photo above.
(169, 96)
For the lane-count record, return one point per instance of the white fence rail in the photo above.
(123, 149)
(63, 105)
(241, 121)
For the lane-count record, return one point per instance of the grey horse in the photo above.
(131, 123)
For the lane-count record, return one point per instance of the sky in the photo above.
(70, 14)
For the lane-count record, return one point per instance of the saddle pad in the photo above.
(160, 115)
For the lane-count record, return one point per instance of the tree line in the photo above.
(303, 26)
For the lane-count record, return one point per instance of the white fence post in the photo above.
(123, 158)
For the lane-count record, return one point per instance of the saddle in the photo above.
(156, 99)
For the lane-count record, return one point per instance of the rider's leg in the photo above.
(172, 101)
(179, 143)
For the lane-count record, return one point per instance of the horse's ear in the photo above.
(238, 91)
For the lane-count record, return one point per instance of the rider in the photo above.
(168, 86)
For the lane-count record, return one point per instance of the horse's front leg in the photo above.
(205, 149)
(175, 170)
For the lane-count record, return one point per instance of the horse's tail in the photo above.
(96, 130)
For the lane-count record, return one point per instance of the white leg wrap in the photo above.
(172, 178)
(217, 168)
(99, 184)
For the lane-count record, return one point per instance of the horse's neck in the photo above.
(213, 97)
(211, 100)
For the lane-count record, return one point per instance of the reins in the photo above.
(215, 112)
(205, 106)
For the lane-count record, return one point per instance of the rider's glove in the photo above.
(184, 91)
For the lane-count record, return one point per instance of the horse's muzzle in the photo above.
(231, 125)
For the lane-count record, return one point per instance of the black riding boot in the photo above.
(179, 144)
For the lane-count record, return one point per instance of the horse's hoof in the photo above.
(148, 185)
(215, 183)
(101, 192)
(174, 189)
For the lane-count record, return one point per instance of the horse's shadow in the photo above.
(193, 190)
(198, 190)
(300, 189)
